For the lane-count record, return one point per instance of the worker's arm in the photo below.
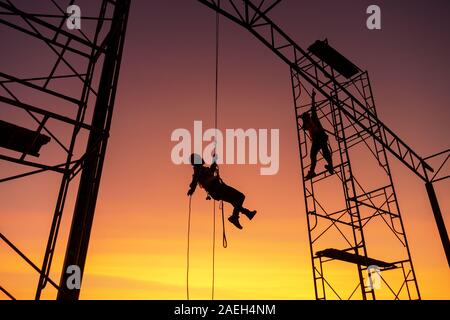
(193, 184)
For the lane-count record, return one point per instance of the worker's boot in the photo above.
(329, 167)
(249, 214)
(235, 220)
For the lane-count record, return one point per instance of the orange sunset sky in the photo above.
(138, 241)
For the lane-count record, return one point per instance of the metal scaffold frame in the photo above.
(92, 55)
(349, 221)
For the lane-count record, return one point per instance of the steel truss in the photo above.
(93, 62)
(79, 99)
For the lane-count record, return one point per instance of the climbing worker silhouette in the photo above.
(319, 138)
(208, 178)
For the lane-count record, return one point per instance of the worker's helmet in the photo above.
(196, 160)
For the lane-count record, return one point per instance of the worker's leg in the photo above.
(232, 196)
(236, 199)
(315, 147)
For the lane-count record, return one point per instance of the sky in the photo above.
(139, 237)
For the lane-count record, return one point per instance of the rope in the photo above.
(217, 76)
(216, 99)
(224, 235)
(213, 250)
(188, 247)
(224, 242)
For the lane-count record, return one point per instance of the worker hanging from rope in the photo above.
(208, 178)
(319, 137)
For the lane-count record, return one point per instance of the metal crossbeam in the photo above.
(13, 10)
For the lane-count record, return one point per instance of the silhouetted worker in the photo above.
(209, 179)
(319, 138)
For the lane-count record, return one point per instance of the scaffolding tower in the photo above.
(347, 110)
(363, 203)
(63, 113)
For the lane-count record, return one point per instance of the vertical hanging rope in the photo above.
(213, 251)
(216, 95)
(224, 240)
(188, 248)
(217, 76)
